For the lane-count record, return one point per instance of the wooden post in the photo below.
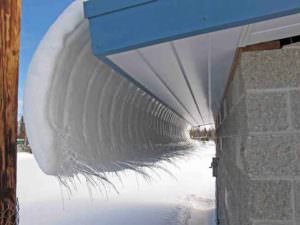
(10, 11)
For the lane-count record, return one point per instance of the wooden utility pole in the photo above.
(10, 11)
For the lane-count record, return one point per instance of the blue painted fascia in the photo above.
(93, 8)
(122, 25)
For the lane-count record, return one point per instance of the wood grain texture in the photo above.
(10, 11)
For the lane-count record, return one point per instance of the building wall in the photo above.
(258, 146)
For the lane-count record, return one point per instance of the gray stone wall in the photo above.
(258, 130)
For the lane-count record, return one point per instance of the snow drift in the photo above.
(83, 117)
(188, 200)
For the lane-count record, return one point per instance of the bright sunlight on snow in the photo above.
(185, 198)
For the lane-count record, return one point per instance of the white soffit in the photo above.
(269, 30)
(190, 74)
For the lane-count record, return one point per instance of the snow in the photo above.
(107, 147)
(82, 117)
(164, 200)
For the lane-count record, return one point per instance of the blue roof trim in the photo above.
(93, 8)
(142, 87)
(122, 25)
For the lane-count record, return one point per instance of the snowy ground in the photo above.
(186, 200)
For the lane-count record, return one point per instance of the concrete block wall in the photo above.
(258, 145)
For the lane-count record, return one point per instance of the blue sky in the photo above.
(37, 17)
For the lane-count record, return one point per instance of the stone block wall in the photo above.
(258, 145)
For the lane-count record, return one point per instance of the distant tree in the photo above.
(22, 135)
(202, 134)
(21, 130)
